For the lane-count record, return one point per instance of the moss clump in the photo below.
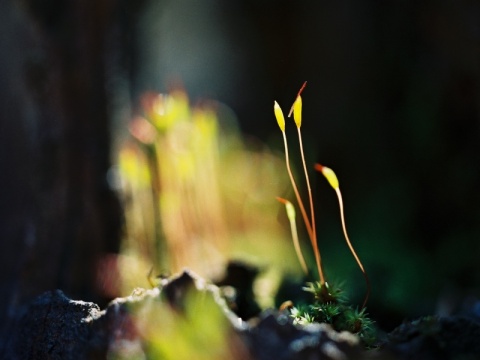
(331, 306)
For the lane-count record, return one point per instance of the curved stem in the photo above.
(342, 217)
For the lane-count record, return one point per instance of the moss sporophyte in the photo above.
(329, 303)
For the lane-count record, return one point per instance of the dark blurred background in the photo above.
(392, 105)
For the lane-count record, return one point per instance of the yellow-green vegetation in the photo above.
(196, 194)
(194, 326)
(200, 331)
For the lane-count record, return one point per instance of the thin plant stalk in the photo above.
(297, 116)
(309, 189)
(333, 180)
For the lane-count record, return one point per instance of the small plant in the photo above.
(333, 309)
(329, 304)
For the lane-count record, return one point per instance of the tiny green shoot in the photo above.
(291, 214)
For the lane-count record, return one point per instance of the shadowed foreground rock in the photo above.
(56, 327)
(433, 338)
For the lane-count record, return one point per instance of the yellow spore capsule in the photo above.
(297, 111)
(329, 175)
(279, 116)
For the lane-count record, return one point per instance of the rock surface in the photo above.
(56, 327)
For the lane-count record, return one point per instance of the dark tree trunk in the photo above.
(58, 217)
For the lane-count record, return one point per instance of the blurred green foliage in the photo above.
(197, 195)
